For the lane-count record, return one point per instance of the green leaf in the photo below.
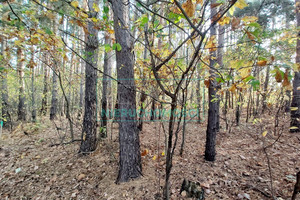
(255, 84)
(220, 80)
(254, 24)
(105, 9)
(48, 31)
(117, 47)
(107, 48)
(144, 20)
(248, 79)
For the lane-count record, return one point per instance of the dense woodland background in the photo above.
(192, 98)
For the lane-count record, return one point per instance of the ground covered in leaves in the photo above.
(252, 162)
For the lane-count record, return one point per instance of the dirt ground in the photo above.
(32, 167)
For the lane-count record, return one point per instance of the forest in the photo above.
(150, 99)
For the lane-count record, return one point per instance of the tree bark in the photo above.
(213, 110)
(45, 91)
(295, 114)
(105, 83)
(54, 100)
(130, 158)
(6, 118)
(89, 130)
(21, 105)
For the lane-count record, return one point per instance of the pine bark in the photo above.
(89, 130)
(4, 91)
(295, 114)
(20, 68)
(130, 158)
(54, 100)
(213, 110)
(105, 84)
(45, 92)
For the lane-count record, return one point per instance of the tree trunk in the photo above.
(198, 96)
(54, 100)
(130, 158)
(21, 105)
(105, 81)
(213, 110)
(89, 130)
(264, 98)
(295, 114)
(33, 111)
(6, 118)
(45, 91)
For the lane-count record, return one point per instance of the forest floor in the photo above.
(32, 167)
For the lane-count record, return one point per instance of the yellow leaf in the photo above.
(163, 153)
(94, 19)
(18, 42)
(245, 72)
(96, 8)
(110, 31)
(154, 157)
(249, 19)
(264, 133)
(231, 10)
(84, 15)
(294, 108)
(294, 127)
(75, 4)
(241, 4)
(211, 44)
(224, 20)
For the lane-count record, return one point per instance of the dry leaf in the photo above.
(262, 63)
(206, 83)
(145, 152)
(199, 2)
(189, 8)
(286, 82)
(213, 5)
(81, 177)
(278, 76)
(235, 23)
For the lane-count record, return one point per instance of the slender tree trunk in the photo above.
(89, 130)
(198, 96)
(130, 157)
(107, 70)
(33, 111)
(45, 91)
(54, 100)
(81, 93)
(295, 114)
(264, 98)
(213, 110)
(21, 105)
(6, 118)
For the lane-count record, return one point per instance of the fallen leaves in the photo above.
(80, 177)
